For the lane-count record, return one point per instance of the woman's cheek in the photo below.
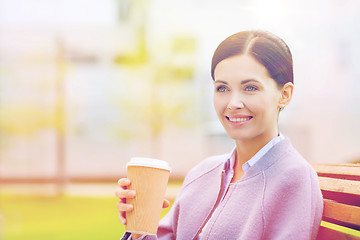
(219, 104)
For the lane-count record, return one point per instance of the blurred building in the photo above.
(134, 80)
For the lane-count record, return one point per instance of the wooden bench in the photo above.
(340, 186)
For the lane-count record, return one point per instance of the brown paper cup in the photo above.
(149, 178)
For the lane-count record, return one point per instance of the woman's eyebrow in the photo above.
(242, 82)
(249, 80)
(220, 81)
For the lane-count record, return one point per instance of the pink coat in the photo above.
(277, 198)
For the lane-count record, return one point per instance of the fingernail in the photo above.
(131, 193)
(130, 207)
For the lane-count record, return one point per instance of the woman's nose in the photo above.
(236, 102)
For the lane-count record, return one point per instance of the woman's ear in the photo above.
(286, 94)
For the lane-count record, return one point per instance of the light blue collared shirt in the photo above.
(229, 167)
(258, 155)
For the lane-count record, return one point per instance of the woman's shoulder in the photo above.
(290, 164)
(210, 165)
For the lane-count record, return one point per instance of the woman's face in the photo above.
(246, 99)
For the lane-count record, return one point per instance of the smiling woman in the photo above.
(249, 104)
(263, 189)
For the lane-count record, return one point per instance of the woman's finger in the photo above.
(124, 182)
(122, 194)
(123, 207)
(122, 218)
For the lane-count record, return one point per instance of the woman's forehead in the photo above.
(240, 67)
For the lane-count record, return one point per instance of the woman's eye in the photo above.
(250, 88)
(221, 89)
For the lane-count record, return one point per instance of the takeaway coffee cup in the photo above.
(149, 178)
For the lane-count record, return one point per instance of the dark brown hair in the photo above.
(267, 48)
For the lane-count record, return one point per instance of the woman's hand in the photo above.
(123, 193)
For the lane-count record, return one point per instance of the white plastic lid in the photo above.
(149, 162)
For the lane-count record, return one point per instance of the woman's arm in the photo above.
(293, 208)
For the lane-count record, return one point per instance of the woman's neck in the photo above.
(246, 149)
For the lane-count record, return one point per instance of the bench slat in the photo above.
(343, 169)
(339, 185)
(330, 234)
(341, 216)
(341, 212)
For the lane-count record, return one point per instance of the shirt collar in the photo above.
(232, 156)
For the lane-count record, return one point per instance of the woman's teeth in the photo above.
(239, 119)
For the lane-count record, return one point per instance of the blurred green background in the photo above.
(48, 217)
(86, 85)
(41, 217)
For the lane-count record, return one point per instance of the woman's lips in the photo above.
(238, 120)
